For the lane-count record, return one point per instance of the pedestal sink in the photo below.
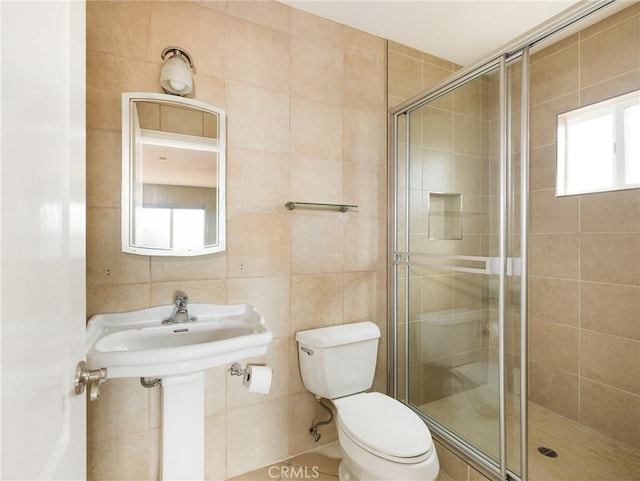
(137, 344)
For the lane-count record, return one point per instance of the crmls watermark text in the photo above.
(294, 472)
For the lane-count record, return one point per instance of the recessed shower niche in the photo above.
(445, 216)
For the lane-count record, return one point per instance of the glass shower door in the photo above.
(455, 262)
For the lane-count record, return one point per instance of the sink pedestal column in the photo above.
(183, 427)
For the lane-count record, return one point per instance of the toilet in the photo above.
(382, 439)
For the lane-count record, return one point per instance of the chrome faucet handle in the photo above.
(181, 302)
(180, 311)
(181, 298)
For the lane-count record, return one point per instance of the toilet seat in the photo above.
(384, 427)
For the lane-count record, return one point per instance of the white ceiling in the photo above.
(170, 165)
(462, 31)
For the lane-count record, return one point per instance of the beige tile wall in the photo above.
(306, 107)
(412, 71)
(585, 250)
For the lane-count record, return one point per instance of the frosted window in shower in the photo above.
(632, 145)
(598, 147)
(590, 156)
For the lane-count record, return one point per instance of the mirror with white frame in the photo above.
(173, 175)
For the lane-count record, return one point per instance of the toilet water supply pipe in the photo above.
(314, 431)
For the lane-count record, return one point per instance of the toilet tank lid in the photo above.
(338, 335)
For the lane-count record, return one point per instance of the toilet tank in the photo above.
(450, 337)
(340, 360)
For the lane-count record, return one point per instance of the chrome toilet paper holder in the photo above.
(236, 369)
(255, 377)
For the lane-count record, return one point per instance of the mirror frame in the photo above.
(128, 100)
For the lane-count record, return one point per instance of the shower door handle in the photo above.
(514, 266)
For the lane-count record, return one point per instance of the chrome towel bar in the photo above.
(341, 207)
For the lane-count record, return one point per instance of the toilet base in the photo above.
(349, 472)
(345, 473)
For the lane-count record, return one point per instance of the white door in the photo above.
(42, 228)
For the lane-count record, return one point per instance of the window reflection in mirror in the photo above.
(173, 176)
(598, 146)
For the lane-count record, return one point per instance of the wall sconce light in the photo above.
(175, 76)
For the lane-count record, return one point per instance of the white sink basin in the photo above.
(137, 344)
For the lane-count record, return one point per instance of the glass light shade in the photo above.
(175, 76)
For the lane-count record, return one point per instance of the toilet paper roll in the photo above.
(258, 379)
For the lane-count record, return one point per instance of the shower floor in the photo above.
(583, 454)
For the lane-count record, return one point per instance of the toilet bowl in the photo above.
(382, 439)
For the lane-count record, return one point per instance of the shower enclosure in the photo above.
(459, 269)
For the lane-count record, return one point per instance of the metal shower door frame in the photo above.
(401, 256)
(519, 49)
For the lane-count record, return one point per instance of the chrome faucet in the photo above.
(180, 312)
